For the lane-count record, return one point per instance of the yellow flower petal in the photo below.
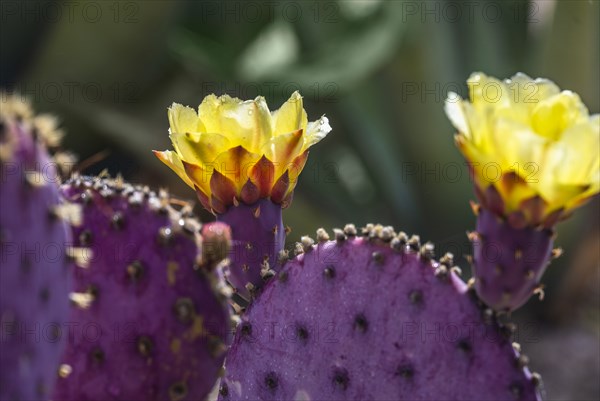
(245, 123)
(183, 119)
(236, 164)
(200, 148)
(316, 131)
(172, 160)
(551, 117)
(290, 116)
(283, 148)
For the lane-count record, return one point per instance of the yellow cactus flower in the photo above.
(533, 149)
(231, 150)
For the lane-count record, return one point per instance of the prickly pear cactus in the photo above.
(149, 321)
(34, 265)
(373, 317)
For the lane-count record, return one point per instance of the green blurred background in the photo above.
(380, 71)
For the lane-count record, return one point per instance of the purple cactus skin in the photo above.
(34, 268)
(148, 323)
(372, 318)
(508, 263)
(258, 237)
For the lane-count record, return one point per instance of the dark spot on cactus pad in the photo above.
(340, 378)
(145, 345)
(301, 332)
(54, 332)
(135, 270)
(40, 388)
(97, 355)
(93, 291)
(165, 235)
(184, 310)
(360, 323)
(246, 329)
(283, 276)
(215, 346)
(405, 371)
(416, 297)
(516, 389)
(118, 221)
(271, 381)
(85, 238)
(178, 391)
(44, 294)
(329, 272)
(464, 345)
(378, 257)
(224, 390)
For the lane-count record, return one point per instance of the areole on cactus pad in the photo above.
(243, 161)
(371, 316)
(533, 153)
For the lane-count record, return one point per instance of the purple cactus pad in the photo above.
(372, 318)
(147, 323)
(257, 237)
(508, 263)
(34, 269)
